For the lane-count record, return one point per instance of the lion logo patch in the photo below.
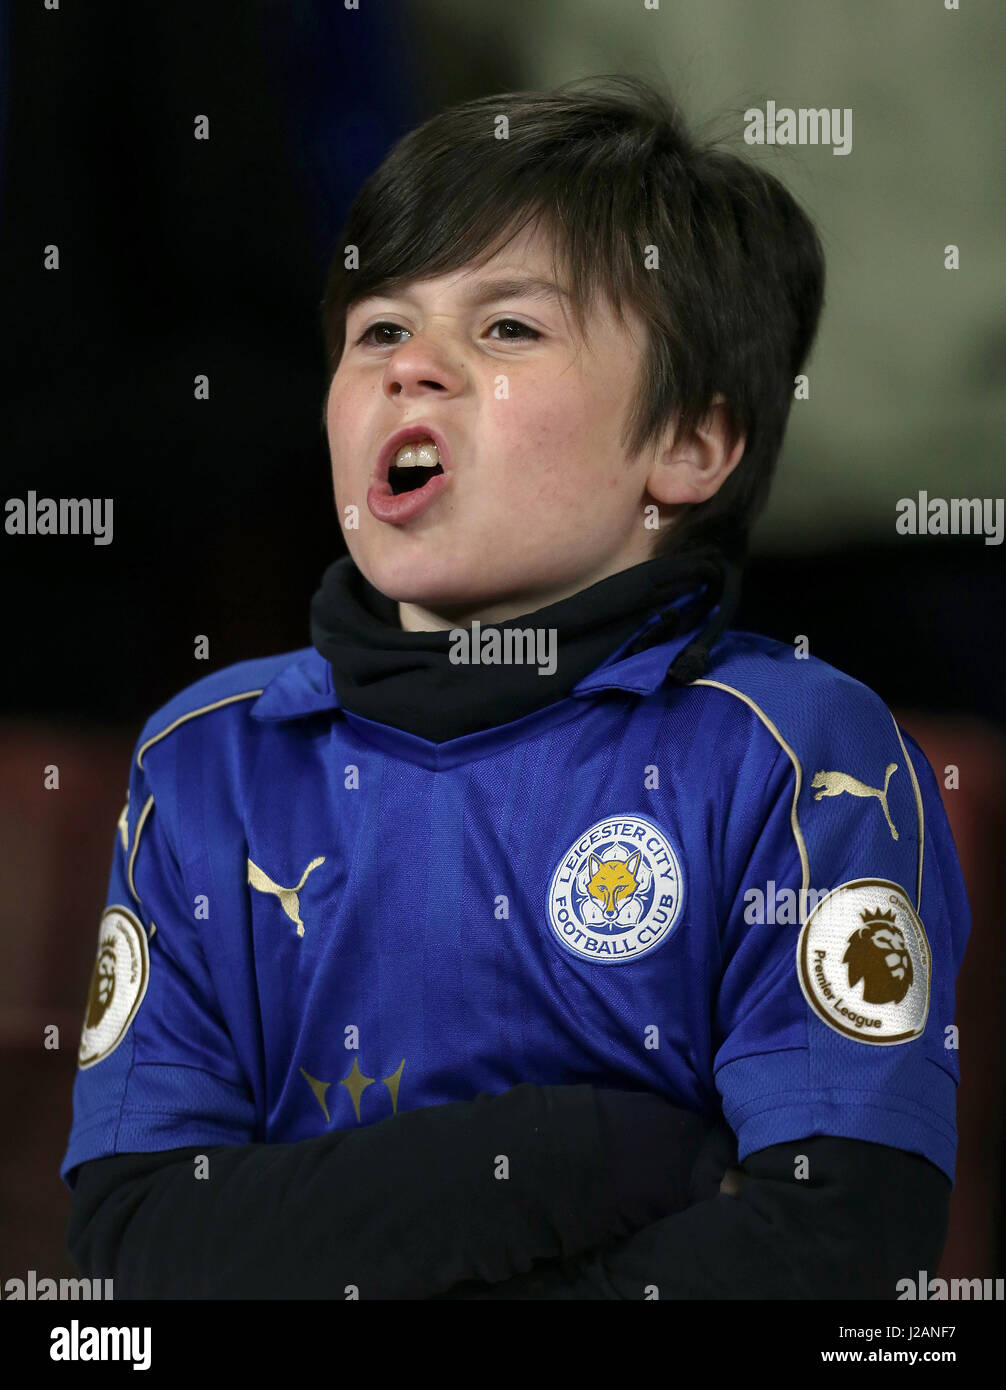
(118, 984)
(877, 955)
(864, 963)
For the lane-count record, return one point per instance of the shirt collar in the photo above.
(304, 687)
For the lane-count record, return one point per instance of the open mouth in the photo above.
(413, 466)
(410, 479)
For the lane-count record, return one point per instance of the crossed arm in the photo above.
(611, 1196)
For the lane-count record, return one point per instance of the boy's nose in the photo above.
(424, 361)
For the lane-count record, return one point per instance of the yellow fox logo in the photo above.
(613, 881)
(288, 899)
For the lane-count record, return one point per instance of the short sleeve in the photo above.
(842, 942)
(157, 1068)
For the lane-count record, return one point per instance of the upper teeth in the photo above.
(418, 454)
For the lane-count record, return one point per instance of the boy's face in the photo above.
(540, 499)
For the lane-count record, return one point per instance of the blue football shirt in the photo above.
(739, 894)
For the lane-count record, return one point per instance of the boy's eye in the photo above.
(524, 329)
(366, 337)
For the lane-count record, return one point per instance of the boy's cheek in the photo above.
(339, 410)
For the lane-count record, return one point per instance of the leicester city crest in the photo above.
(617, 891)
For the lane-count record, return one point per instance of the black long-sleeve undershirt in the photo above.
(866, 1216)
(405, 1208)
(608, 1193)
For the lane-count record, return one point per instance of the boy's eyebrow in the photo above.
(486, 291)
(516, 287)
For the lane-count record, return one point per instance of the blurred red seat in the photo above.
(976, 810)
(58, 851)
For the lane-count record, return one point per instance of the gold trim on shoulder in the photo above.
(148, 806)
(793, 819)
(919, 813)
(183, 718)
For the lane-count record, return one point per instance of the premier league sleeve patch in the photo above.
(616, 894)
(118, 984)
(864, 963)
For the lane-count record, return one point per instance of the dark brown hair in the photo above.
(611, 171)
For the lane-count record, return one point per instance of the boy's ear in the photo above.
(692, 468)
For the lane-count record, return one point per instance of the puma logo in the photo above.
(288, 899)
(835, 783)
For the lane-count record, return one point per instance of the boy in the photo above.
(463, 953)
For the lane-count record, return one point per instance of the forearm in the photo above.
(401, 1209)
(870, 1215)
(405, 1208)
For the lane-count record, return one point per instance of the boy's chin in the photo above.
(456, 588)
(438, 586)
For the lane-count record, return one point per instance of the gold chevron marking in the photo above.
(122, 824)
(319, 1088)
(288, 899)
(356, 1083)
(393, 1082)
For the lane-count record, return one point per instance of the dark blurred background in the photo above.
(179, 257)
